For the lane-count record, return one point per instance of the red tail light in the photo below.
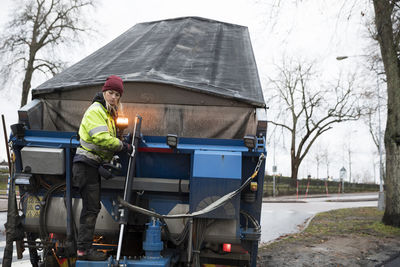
(226, 247)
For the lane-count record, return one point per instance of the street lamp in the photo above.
(344, 57)
(341, 57)
(381, 197)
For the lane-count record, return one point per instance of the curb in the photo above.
(307, 223)
(284, 201)
(279, 239)
(352, 200)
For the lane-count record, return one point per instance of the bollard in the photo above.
(308, 184)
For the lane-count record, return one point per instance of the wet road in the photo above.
(15, 262)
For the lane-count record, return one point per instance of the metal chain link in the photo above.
(260, 160)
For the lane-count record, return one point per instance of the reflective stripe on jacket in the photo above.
(98, 134)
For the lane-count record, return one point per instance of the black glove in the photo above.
(127, 148)
(106, 174)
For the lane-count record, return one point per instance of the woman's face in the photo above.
(112, 97)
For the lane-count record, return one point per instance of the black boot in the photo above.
(91, 255)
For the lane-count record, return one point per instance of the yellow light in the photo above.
(253, 186)
(122, 122)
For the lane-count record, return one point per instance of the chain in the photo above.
(260, 160)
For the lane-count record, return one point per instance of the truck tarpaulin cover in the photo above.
(189, 76)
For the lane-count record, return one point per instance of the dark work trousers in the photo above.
(87, 179)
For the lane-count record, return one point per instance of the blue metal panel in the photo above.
(161, 262)
(217, 164)
(165, 165)
(149, 262)
(47, 139)
(214, 174)
(196, 143)
(91, 263)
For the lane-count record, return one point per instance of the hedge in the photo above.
(287, 186)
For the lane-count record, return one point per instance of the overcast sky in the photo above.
(315, 30)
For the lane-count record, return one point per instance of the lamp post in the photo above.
(381, 197)
(274, 171)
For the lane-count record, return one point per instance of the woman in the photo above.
(98, 143)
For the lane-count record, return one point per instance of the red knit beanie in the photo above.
(114, 83)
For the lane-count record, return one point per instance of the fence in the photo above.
(286, 186)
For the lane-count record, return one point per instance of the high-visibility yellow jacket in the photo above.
(97, 134)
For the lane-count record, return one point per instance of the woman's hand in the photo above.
(127, 148)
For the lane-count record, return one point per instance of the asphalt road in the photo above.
(3, 218)
(280, 216)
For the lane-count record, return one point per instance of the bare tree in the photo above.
(35, 30)
(318, 157)
(349, 153)
(387, 21)
(372, 119)
(327, 160)
(308, 108)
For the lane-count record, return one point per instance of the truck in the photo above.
(190, 194)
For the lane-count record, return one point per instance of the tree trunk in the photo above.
(392, 188)
(293, 159)
(383, 12)
(295, 169)
(26, 85)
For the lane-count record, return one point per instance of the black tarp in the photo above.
(193, 53)
(189, 76)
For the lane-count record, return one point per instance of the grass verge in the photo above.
(342, 222)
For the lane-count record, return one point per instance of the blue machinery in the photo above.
(194, 201)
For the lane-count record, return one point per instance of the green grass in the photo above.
(3, 186)
(359, 221)
(343, 222)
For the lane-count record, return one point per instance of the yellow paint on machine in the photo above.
(33, 207)
(67, 262)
